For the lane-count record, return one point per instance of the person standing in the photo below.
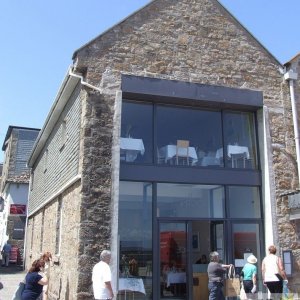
(35, 280)
(6, 253)
(273, 273)
(249, 274)
(101, 277)
(216, 272)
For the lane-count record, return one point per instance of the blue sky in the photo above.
(38, 39)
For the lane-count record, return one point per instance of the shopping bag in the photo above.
(243, 295)
(18, 293)
(232, 287)
(286, 294)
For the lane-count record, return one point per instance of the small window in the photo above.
(46, 160)
(58, 226)
(42, 230)
(64, 135)
(19, 228)
(31, 180)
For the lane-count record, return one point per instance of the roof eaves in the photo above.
(293, 58)
(10, 129)
(247, 31)
(66, 89)
(110, 28)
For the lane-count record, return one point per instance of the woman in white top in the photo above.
(273, 273)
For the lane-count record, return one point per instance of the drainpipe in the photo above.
(292, 76)
(84, 82)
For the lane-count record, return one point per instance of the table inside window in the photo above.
(169, 151)
(233, 149)
(131, 148)
(131, 285)
(175, 278)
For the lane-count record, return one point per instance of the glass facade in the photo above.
(187, 136)
(167, 228)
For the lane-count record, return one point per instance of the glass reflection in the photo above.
(246, 241)
(239, 136)
(188, 136)
(135, 234)
(188, 200)
(244, 202)
(136, 133)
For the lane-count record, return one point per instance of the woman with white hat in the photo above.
(249, 273)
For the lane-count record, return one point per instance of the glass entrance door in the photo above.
(184, 255)
(173, 239)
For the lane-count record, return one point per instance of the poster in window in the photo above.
(17, 209)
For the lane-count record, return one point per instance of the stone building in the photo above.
(172, 135)
(17, 146)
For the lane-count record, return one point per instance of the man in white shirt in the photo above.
(102, 277)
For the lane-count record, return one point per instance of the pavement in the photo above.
(10, 277)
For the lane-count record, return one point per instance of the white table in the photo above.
(169, 152)
(177, 277)
(132, 284)
(233, 149)
(131, 148)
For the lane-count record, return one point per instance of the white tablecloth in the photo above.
(178, 277)
(210, 161)
(132, 284)
(233, 149)
(169, 152)
(131, 148)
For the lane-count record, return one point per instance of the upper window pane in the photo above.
(188, 136)
(244, 202)
(188, 200)
(239, 136)
(136, 133)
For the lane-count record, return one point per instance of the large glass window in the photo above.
(136, 141)
(239, 137)
(187, 136)
(188, 200)
(135, 235)
(244, 202)
(201, 130)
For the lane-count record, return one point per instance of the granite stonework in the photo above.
(42, 237)
(187, 40)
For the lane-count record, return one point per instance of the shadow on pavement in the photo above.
(11, 269)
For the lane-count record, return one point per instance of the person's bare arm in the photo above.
(281, 268)
(254, 279)
(108, 286)
(43, 281)
(263, 270)
(226, 266)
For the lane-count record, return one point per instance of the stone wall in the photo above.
(42, 235)
(290, 230)
(188, 40)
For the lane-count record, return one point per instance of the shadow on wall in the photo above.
(67, 295)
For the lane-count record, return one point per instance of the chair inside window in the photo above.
(182, 152)
(238, 160)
